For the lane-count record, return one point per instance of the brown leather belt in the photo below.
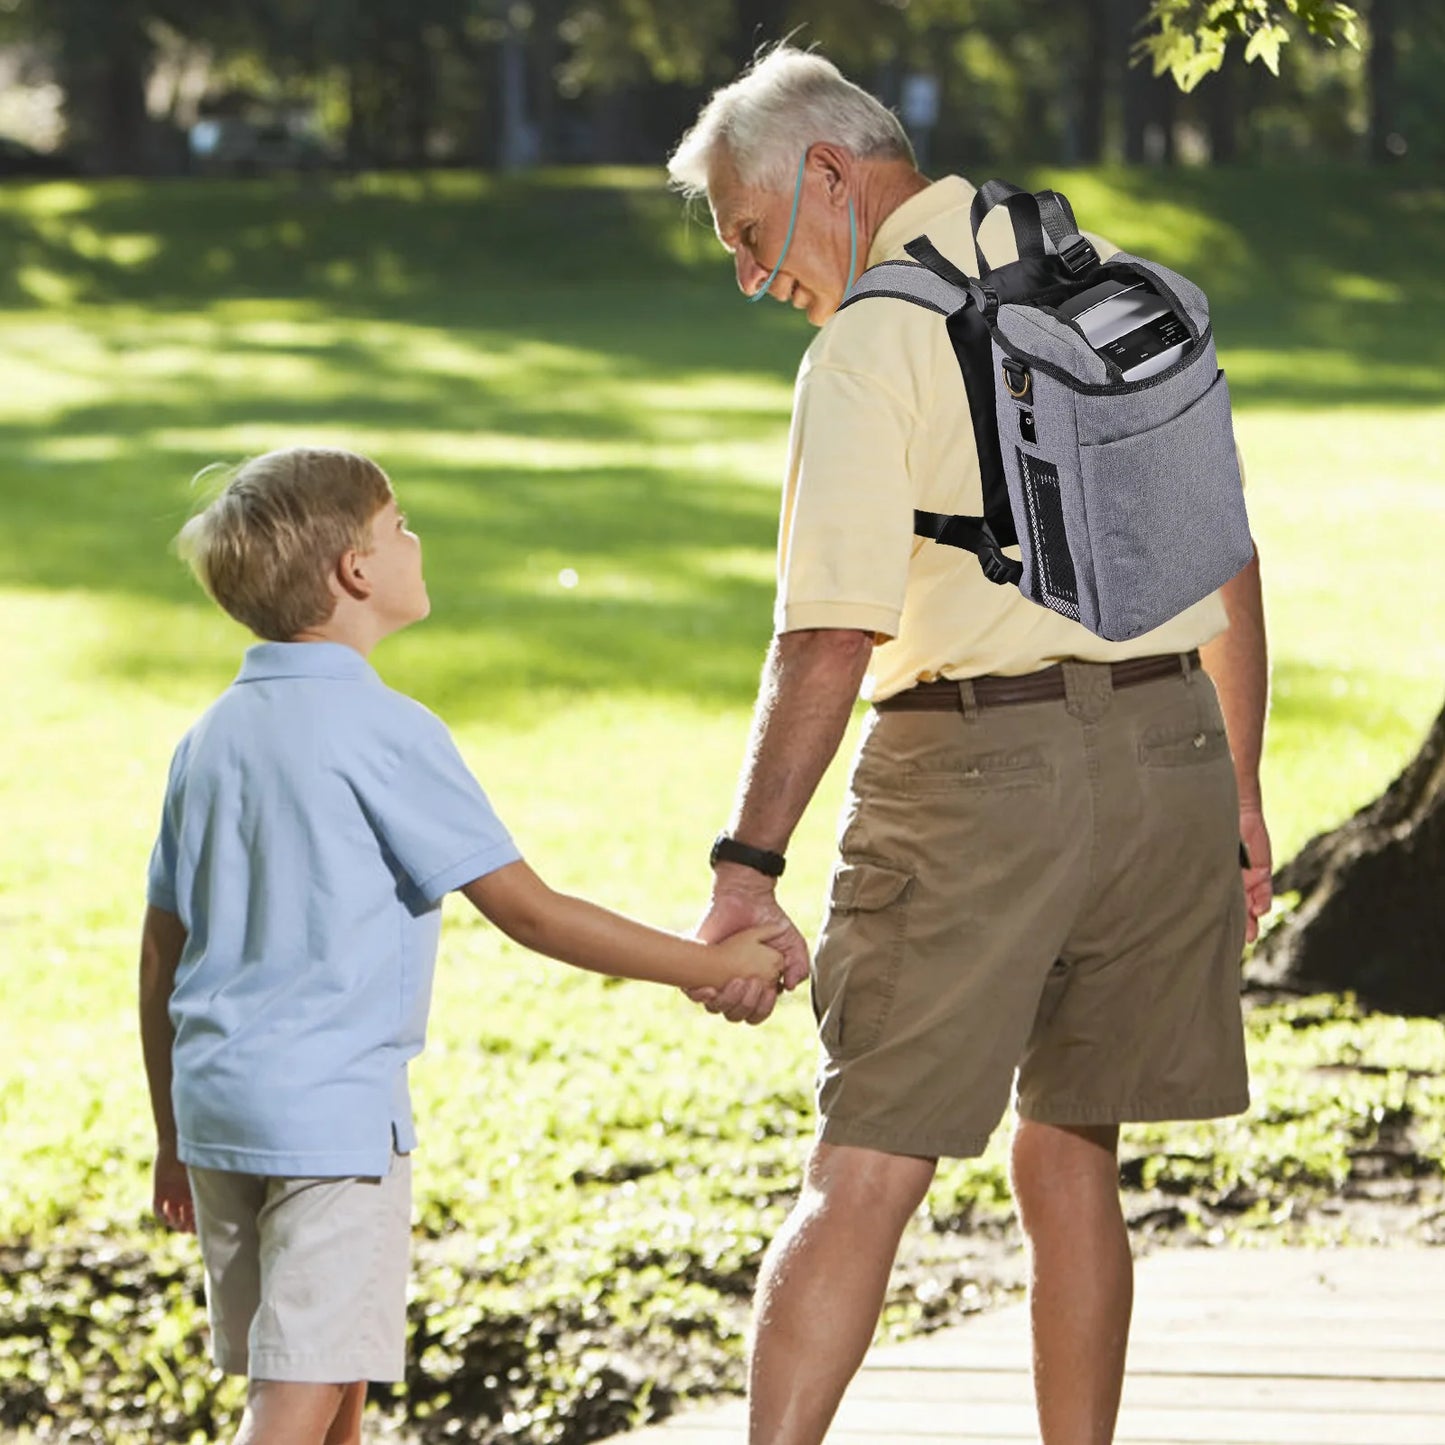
(991, 691)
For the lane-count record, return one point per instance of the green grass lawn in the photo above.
(558, 375)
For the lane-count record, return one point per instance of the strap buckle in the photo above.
(984, 297)
(1078, 254)
(997, 568)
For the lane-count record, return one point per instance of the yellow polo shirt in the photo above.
(881, 426)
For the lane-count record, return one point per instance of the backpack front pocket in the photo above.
(1167, 523)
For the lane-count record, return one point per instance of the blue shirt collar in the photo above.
(305, 659)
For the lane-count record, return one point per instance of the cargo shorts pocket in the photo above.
(859, 955)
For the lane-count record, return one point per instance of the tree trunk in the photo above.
(1371, 916)
(358, 136)
(1220, 97)
(105, 59)
(420, 95)
(1381, 71)
(544, 47)
(1095, 59)
(756, 23)
(1148, 100)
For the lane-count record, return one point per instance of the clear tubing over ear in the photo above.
(788, 241)
(852, 245)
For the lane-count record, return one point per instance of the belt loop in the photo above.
(1088, 689)
(967, 699)
(1186, 661)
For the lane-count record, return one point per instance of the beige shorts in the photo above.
(1042, 896)
(306, 1278)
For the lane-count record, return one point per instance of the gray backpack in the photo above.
(1100, 415)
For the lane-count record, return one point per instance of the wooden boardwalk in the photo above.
(1229, 1347)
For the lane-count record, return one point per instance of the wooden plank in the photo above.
(1300, 1422)
(1299, 1425)
(1221, 1356)
(1276, 1347)
(1231, 1274)
(1262, 1392)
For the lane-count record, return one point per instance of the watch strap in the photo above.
(763, 860)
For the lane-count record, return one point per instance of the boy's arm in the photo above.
(581, 933)
(163, 936)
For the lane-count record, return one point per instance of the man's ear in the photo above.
(348, 577)
(833, 165)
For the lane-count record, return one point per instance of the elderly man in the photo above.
(1039, 886)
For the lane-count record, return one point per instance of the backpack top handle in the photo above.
(1034, 217)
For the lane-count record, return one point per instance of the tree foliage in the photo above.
(409, 82)
(1192, 37)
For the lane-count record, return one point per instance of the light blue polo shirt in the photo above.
(314, 820)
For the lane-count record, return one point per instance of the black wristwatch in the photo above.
(729, 850)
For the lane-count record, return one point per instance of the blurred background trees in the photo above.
(162, 86)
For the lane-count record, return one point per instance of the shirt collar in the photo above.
(305, 659)
(913, 216)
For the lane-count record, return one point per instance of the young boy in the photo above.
(313, 821)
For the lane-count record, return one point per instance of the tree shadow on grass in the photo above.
(1332, 270)
(372, 245)
(558, 258)
(654, 607)
(556, 378)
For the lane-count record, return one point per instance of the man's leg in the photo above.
(285, 1412)
(1081, 1276)
(822, 1287)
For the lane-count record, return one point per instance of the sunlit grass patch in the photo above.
(588, 430)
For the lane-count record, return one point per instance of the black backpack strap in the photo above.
(1072, 248)
(932, 281)
(1023, 211)
(1034, 216)
(972, 534)
(927, 254)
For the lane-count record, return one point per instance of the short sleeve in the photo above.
(847, 526)
(161, 889)
(432, 814)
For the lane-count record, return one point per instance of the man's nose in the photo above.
(750, 274)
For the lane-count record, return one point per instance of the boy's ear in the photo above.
(349, 577)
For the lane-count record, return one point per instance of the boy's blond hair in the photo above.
(264, 547)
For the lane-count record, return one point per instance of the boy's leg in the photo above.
(346, 1427)
(287, 1412)
(334, 1257)
(227, 1207)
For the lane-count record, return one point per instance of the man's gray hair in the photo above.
(769, 116)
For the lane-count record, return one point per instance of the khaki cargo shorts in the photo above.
(1042, 896)
(306, 1278)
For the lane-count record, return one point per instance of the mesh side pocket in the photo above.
(1053, 565)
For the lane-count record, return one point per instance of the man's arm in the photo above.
(809, 685)
(1238, 661)
(163, 937)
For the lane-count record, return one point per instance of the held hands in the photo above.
(172, 1192)
(740, 903)
(1258, 888)
(747, 957)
